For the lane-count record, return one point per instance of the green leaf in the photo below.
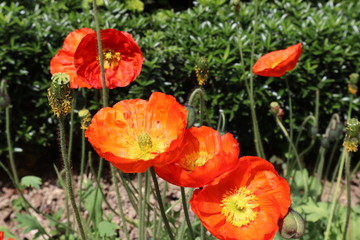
(31, 181)
(29, 223)
(107, 229)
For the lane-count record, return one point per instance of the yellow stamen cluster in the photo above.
(193, 160)
(144, 141)
(201, 76)
(111, 58)
(352, 89)
(240, 207)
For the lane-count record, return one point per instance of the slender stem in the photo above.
(141, 208)
(257, 137)
(10, 148)
(202, 232)
(348, 191)
(71, 130)
(186, 213)
(162, 210)
(101, 57)
(290, 110)
(306, 190)
(68, 176)
(344, 155)
(82, 165)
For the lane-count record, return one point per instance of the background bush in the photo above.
(171, 42)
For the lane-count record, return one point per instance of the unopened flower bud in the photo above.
(352, 88)
(325, 142)
(293, 225)
(314, 130)
(276, 110)
(354, 78)
(191, 116)
(4, 96)
(201, 70)
(59, 94)
(85, 117)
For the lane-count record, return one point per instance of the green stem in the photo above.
(141, 209)
(122, 215)
(344, 155)
(10, 148)
(68, 176)
(71, 130)
(202, 232)
(82, 165)
(348, 191)
(257, 137)
(306, 190)
(186, 213)
(162, 210)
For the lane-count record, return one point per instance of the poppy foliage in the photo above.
(63, 61)
(245, 203)
(277, 63)
(204, 155)
(122, 56)
(136, 134)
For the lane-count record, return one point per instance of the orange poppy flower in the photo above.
(246, 203)
(277, 63)
(122, 59)
(136, 134)
(204, 156)
(63, 61)
(1, 235)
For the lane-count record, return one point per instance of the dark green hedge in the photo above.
(171, 42)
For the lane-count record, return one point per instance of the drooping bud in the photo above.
(4, 96)
(191, 116)
(352, 135)
(59, 94)
(85, 117)
(201, 70)
(325, 141)
(293, 225)
(276, 110)
(354, 78)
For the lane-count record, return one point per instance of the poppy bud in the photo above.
(191, 116)
(339, 129)
(354, 78)
(85, 117)
(276, 110)
(4, 96)
(293, 225)
(314, 130)
(201, 70)
(325, 142)
(59, 94)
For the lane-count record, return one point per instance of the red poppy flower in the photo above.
(204, 156)
(277, 63)
(246, 203)
(136, 134)
(122, 59)
(63, 61)
(1, 235)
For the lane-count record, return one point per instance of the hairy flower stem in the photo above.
(68, 176)
(304, 177)
(141, 212)
(162, 209)
(10, 149)
(186, 213)
(344, 155)
(348, 191)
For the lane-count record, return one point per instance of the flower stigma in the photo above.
(240, 207)
(111, 58)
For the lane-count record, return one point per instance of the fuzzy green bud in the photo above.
(352, 127)
(85, 117)
(354, 78)
(325, 142)
(293, 225)
(191, 116)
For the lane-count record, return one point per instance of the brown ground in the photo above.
(50, 198)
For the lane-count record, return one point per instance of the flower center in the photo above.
(240, 207)
(111, 58)
(193, 160)
(144, 141)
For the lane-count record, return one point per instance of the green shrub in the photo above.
(171, 42)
